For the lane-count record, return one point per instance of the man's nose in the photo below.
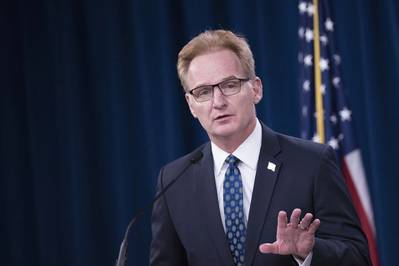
(219, 99)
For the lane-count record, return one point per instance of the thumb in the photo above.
(269, 248)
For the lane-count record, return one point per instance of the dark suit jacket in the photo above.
(186, 224)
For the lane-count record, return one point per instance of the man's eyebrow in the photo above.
(223, 79)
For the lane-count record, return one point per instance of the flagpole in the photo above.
(317, 74)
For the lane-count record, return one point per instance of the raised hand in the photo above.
(295, 238)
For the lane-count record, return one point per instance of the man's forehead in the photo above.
(213, 67)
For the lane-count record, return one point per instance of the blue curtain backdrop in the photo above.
(91, 108)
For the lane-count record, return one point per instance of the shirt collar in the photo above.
(247, 152)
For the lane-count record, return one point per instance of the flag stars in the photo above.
(308, 60)
(345, 114)
(337, 59)
(310, 10)
(302, 7)
(323, 64)
(323, 89)
(336, 82)
(337, 116)
(304, 111)
(333, 142)
(324, 40)
(329, 24)
(316, 138)
(301, 32)
(333, 119)
(306, 85)
(309, 35)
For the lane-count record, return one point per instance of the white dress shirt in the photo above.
(248, 155)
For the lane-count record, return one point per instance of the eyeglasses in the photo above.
(227, 88)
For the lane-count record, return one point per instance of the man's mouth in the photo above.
(220, 117)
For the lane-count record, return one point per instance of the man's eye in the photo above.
(204, 92)
(230, 84)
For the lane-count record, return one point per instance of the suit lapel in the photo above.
(209, 207)
(265, 180)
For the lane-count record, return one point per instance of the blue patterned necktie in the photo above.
(234, 211)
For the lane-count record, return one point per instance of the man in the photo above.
(229, 206)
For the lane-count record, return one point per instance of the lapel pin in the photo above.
(271, 166)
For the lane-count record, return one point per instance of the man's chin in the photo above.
(224, 131)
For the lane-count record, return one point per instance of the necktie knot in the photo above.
(232, 160)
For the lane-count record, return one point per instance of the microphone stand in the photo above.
(122, 256)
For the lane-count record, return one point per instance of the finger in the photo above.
(314, 226)
(282, 220)
(294, 220)
(306, 220)
(268, 248)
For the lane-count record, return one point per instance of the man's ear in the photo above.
(258, 89)
(189, 101)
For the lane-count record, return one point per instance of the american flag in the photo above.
(326, 116)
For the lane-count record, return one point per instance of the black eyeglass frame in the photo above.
(218, 85)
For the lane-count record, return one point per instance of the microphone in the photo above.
(122, 256)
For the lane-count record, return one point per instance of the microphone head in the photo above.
(196, 157)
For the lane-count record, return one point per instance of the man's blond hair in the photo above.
(212, 40)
